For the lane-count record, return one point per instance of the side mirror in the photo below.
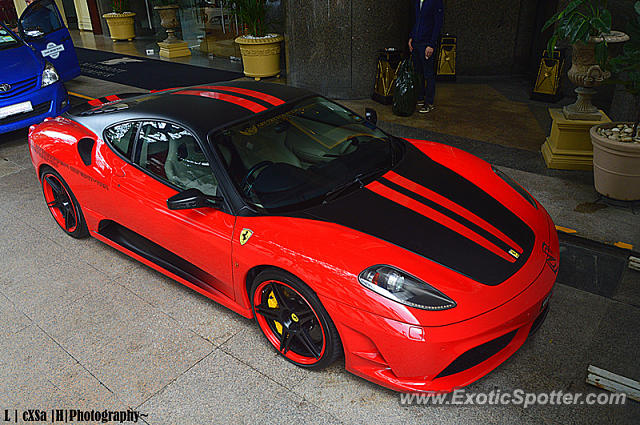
(192, 198)
(371, 115)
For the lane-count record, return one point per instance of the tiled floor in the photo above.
(83, 326)
(477, 110)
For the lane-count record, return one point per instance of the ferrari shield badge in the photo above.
(245, 235)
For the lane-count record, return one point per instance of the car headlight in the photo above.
(401, 287)
(49, 75)
(526, 195)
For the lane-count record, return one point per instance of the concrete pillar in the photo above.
(84, 18)
(332, 45)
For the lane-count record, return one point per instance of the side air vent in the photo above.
(478, 354)
(85, 149)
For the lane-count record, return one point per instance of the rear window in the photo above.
(121, 136)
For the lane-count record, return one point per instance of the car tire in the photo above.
(293, 320)
(62, 204)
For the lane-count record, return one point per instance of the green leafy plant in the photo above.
(578, 22)
(120, 6)
(253, 13)
(626, 66)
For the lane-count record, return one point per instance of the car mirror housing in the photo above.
(192, 198)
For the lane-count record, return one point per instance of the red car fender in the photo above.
(55, 143)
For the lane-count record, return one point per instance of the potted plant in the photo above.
(260, 50)
(586, 25)
(120, 21)
(616, 146)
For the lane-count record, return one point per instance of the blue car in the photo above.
(33, 65)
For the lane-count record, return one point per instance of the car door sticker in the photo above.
(56, 163)
(53, 50)
(245, 235)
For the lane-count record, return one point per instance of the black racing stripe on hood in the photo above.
(370, 213)
(421, 169)
(451, 214)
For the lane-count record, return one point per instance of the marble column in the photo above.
(331, 45)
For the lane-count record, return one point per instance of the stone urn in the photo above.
(121, 25)
(172, 47)
(260, 55)
(587, 74)
(616, 161)
(169, 21)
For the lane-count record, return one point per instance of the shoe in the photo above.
(426, 109)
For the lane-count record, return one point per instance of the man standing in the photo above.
(423, 41)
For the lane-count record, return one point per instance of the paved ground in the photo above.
(83, 326)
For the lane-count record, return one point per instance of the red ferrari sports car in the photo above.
(421, 263)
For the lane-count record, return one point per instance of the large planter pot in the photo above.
(121, 25)
(587, 74)
(260, 56)
(616, 166)
(169, 21)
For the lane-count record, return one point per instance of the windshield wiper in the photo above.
(357, 180)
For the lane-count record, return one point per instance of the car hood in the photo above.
(18, 64)
(456, 218)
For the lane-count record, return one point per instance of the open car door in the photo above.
(42, 27)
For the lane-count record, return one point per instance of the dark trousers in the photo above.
(425, 68)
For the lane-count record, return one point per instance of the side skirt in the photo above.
(164, 261)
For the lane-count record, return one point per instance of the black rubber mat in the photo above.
(591, 266)
(150, 74)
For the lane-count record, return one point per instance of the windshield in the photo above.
(314, 150)
(7, 39)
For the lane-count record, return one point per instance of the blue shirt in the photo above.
(428, 22)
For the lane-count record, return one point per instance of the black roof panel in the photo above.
(198, 113)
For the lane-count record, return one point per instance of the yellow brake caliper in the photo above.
(273, 303)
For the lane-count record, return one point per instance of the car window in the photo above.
(172, 153)
(121, 136)
(41, 19)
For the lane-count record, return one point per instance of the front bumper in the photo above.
(412, 358)
(49, 101)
